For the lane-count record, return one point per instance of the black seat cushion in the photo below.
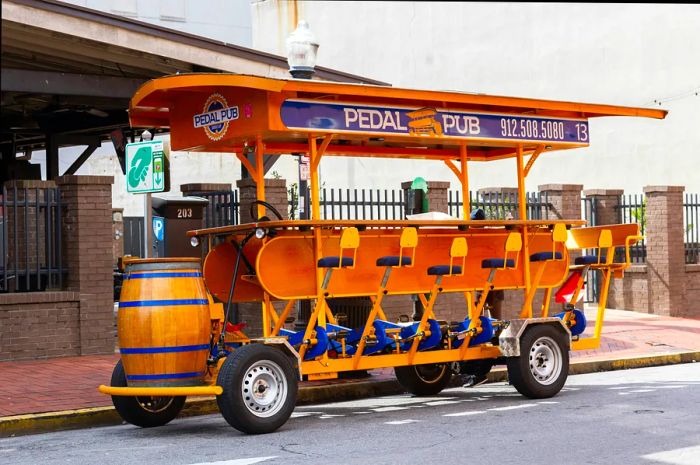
(542, 256)
(332, 262)
(588, 260)
(440, 270)
(497, 263)
(393, 260)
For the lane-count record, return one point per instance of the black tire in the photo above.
(145, 412)
(543, 365)
(424, 380)
(253, 367)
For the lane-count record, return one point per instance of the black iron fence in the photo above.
(30, 240)
(502, 205)
(362, 204)
(691, 224)
(223, 208)
(632, 209)
(589, 212)
(133, 236)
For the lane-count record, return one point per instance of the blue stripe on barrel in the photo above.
(163, 275)
(192, 374)
(162, 350)
(163, 303)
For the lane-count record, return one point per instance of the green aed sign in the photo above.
(147, 167)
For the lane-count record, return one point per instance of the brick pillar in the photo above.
(607, 202)
(665, 249)
(195, 188)
(87, 249)
(437, 194)
(565, 200)
(275, 195)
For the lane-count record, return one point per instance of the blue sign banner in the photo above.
(428, 121)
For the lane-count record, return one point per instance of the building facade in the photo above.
(631, 54)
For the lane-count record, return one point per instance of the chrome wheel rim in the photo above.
(264, 388)
(545, 360)
(154, 404)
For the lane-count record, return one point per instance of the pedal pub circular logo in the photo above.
(215, 117)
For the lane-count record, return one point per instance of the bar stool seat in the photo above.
(498, 263)
(443, 270)
(335, 262)
(394, 260)
(589, 260)
(544, 256)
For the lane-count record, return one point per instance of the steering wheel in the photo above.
(256, 202)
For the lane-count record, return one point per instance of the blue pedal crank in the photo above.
(485, 335)
(579, 321)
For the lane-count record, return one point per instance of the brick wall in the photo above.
(691, 306)
(39, 325)
(87, 238)
(79, 320)
(275, 195)
(665, 249)
(631, 292)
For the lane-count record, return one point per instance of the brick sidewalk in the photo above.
(69, 383)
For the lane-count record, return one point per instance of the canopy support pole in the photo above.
(313, 168)
(522, 210)
(464, 180)
(532, 159)
(259, 174)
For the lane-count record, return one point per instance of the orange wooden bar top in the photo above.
(385, 224)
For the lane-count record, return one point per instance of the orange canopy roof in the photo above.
(223, 112)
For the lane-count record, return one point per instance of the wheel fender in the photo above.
(282, 344)
(509, 340)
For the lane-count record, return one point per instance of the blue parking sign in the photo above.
(159, 228)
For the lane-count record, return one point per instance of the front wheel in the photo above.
(260, 389)
(543, 365)
(144, 411)
(424, 380)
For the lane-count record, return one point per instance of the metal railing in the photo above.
(632, 209)
(691, 226)
(133, 236)
(362, 204)
(30, 240)
(501, 206)
(223, 208)
(589, 212)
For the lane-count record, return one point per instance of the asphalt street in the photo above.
(642, 416)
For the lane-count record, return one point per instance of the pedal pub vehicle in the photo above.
(172, 324)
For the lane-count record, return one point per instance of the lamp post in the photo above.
(302, 47)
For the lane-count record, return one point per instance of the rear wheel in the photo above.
(543, 365)
(424, 380)
(145, 411)
(260, 389)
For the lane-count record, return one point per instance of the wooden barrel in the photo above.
(163, 322)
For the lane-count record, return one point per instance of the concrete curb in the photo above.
(106, 416)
